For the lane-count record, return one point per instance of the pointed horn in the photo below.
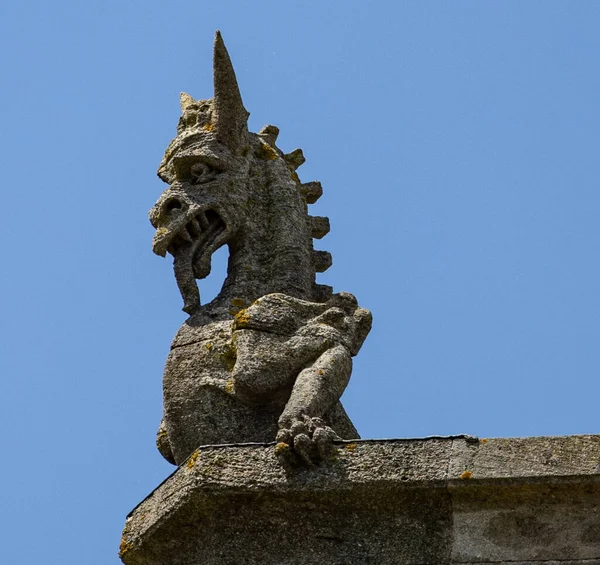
(185, 100)
(230, 116)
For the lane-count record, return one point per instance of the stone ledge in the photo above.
(406, 501)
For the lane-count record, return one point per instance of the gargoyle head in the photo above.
(207, 170)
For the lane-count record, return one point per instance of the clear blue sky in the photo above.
(457, 143)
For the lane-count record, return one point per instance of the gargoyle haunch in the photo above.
(270, 356)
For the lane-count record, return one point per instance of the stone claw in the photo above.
(299, 428)
(285, 454)
(310, 439)
(323, 438)
(284, 436)
(303, 447)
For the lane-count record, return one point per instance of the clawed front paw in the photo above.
(305, 437)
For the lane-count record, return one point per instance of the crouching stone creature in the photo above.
(270, 356)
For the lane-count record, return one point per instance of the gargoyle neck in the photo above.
(276, 258)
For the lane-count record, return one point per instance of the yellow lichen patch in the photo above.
(241, 319)
(466, 475)
(483, 440)
(208, 346)
(124, 546)
(351, 447)
(320, 372)
(162, 231)
(162, 433)
(266, 152)
(229, 357)
(237, 304)
(281, 447)
(229, 386)
(192, 460)
(208, 127)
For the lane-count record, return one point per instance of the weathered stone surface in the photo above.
(526, 522)
(524, 459)
(526, 499)
(241, 506)
(381, 502)
(270, 356)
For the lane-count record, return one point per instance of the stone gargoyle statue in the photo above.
(270, 356)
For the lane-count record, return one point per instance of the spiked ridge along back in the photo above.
(310, 192)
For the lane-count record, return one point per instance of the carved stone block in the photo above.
(435, 501)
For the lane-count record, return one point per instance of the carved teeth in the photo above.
(185, 235)
(311, 191)
(319, 226)
(201, 217)
(322, 260)
(194, 227)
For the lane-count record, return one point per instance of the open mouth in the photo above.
(199, 231)
(191, 240)
(198, 240)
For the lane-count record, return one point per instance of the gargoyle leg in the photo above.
(318, 387)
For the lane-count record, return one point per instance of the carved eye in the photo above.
(201, 173)
(189, 117)
(171, 205)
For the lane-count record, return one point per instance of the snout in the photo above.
(169, 216)
(180, 222)
(169, 206)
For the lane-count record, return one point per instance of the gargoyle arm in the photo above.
(318, 387)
